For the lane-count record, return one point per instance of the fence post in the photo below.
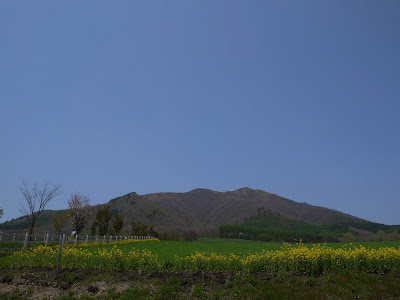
(104, 240)
(46, 240)
(62, 236)
(14, 237)
(110, 238)
(87, 237)
(76, 239)
(26, 240)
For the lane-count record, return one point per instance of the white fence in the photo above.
(45, 239)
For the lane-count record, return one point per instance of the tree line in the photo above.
(79, 213)
(276, 228)
(104, 223)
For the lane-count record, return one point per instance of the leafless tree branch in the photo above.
(36, 200)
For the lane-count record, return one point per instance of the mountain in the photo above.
(205, 210)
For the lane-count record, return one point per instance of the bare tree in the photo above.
(1, 212)
(81, 211)
(36, 199)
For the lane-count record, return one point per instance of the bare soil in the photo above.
(45, 283)
(42, 283)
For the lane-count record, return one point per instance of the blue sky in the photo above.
(297, 98)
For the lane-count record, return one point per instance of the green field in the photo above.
(166, 250)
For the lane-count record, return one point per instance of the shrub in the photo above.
(348, 238)
(170, 236)
(380, 236)
(189, 236)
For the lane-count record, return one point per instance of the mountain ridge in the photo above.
(204, 210)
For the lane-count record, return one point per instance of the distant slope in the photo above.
(205, 210)
(272, 226)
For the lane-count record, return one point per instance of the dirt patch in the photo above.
(39, 283)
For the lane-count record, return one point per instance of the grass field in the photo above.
(166, 250)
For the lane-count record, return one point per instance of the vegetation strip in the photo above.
(296, 259)
(42, 283)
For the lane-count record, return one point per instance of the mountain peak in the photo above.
(244, 189)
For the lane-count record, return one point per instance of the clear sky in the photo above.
(297, 98)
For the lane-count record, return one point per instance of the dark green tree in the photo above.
(170, 236)
(1, 212)
(103, 217)
(139, 228)
(153, 233)
(189, 236)
(93, 228)
(117, 224)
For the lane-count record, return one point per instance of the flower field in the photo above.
(296, 259)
